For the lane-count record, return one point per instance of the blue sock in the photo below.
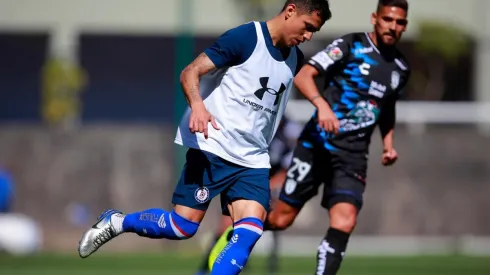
(232, 259)
(159, 224)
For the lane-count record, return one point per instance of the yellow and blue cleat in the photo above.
(219, 246)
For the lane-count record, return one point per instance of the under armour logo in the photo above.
(260, 92)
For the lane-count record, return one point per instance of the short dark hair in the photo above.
(402, 4)
(309, 6)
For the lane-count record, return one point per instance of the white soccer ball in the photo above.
(19, 234)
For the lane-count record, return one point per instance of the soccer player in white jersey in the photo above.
(237, 91)
(280, 152)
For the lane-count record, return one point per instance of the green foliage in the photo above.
(443, 39)
(62, 83)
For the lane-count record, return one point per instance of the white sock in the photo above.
(117, 222)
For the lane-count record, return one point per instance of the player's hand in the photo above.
(200, 118)
(327, 119)
(389, 157)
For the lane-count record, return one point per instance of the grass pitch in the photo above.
(152, 264)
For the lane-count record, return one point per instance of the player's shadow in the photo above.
(197, 168)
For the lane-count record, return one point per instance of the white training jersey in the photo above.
(247, 100)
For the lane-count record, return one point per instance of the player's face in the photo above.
(300, 26)
(389, 24)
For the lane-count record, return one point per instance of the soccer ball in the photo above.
(19, 234)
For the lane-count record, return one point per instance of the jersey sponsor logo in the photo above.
(323, 59)
(257, 107)
(262, 91)
(395, 80)
(261, 94)
(376, 89)
(364, 50)
(336, 42)
(365, 114)
(335, 53)
(201, 194)
(364, 68)
(329, 55)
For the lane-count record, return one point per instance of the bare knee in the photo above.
(279, 221)
(343, 216)
(282, 216)
(241, 209)
(193, 215)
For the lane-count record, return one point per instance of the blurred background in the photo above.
(90, 99)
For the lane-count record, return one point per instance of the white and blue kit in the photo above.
(247, 95)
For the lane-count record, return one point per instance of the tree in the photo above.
(442, 44)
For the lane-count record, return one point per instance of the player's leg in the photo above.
(191, 199)
(344, 200)
(301, 184)
(225, 237)
(249, 198)
(273, 261)
(219, 245)
(226, 223)
(300, 187)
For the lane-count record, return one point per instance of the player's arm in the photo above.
(189, 79)
(305, 82)
(387, 125)
(278, 178)
(387, 118)
(322, 63)
(230, 49)
(387, 128)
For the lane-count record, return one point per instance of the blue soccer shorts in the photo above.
(206, 175)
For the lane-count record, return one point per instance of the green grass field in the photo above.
(47, 264)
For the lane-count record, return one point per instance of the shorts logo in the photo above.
(290, 186)
(335, 53)
(201, 195)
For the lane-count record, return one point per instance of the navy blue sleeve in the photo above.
(233, 47)
(301, 60)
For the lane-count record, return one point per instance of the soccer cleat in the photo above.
(219, 246)
(100, 233)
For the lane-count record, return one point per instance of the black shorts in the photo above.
(342, 173)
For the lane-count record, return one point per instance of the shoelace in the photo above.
(103, 236)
